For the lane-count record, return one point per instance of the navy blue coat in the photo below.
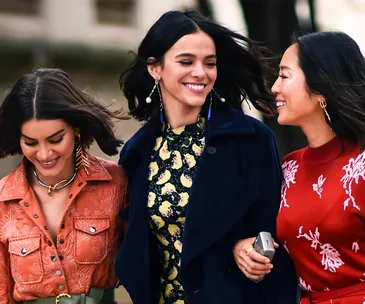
(235, 195)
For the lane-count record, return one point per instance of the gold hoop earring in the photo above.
(323, 105)
(81, 157)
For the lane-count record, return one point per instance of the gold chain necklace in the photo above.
(60, 185)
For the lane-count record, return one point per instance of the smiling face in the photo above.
(295, 105)
(49, 145)
(188, 71)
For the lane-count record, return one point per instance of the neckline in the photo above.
(325, 153)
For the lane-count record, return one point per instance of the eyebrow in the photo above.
(49, 137)
(284, 67)
(192, 55)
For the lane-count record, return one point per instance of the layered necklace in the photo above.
(60, 185)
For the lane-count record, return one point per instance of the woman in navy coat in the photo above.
(202, 175)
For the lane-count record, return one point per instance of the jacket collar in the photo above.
(224, 121)
(15, 185)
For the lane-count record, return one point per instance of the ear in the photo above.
(154, 68)
(77, 131)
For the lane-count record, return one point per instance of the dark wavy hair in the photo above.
(240, 64)
(51, 94)
(334, 67)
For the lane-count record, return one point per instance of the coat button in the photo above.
(24, 251)
(61, 241)
(26, 204)
(61, 257)
(58, 273)
(61, 287)
(53, 258)
(36, 216)
(211, 150)
(92, 229)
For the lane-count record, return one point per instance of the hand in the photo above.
(254, 265)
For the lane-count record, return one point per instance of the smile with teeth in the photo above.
(196, 87)
(48, 163)
(280, 103)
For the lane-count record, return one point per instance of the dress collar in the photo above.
(325, 153)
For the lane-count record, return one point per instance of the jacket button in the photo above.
(53, 258)
(61, 241)
(211, 150)
(26, 204)
(58, 273)
(61, 287)
(24, 251)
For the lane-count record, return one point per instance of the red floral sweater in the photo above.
(322, 215)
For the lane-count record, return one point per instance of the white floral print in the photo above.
(289, 168)
(318, 188)
(354, 170)
(355, 246)
(303, 285)
(331, 259)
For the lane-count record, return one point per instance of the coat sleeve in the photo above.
(280, 286)
(6, 281)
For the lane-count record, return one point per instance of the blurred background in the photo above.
(90, 40)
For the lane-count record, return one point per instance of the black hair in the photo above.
(240, 65)
(334, 67)
(51, 94)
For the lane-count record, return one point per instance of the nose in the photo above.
(43, 153)
(198, 71)
(276, 86)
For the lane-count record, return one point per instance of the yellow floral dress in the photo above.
(172, 168)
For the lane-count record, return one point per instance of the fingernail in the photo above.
(268, 271)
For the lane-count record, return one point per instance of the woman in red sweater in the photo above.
(321, 89)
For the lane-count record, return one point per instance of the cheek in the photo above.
(27, 151)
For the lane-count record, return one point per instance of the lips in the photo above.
(48, 163)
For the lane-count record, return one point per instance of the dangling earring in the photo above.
(323, 105)
(223, 100)
(149, 99)
(210, 106)
(81, 158)
(161, 104)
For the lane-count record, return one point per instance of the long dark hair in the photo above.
(334, 67)
(51, 94)
(239, 65)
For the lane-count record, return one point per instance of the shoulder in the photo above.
(293, 156)
(3, 183)
(248, 121)
(112, 167)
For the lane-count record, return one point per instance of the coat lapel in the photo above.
(221, 193)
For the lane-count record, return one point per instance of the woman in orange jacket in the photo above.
(59, 224)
